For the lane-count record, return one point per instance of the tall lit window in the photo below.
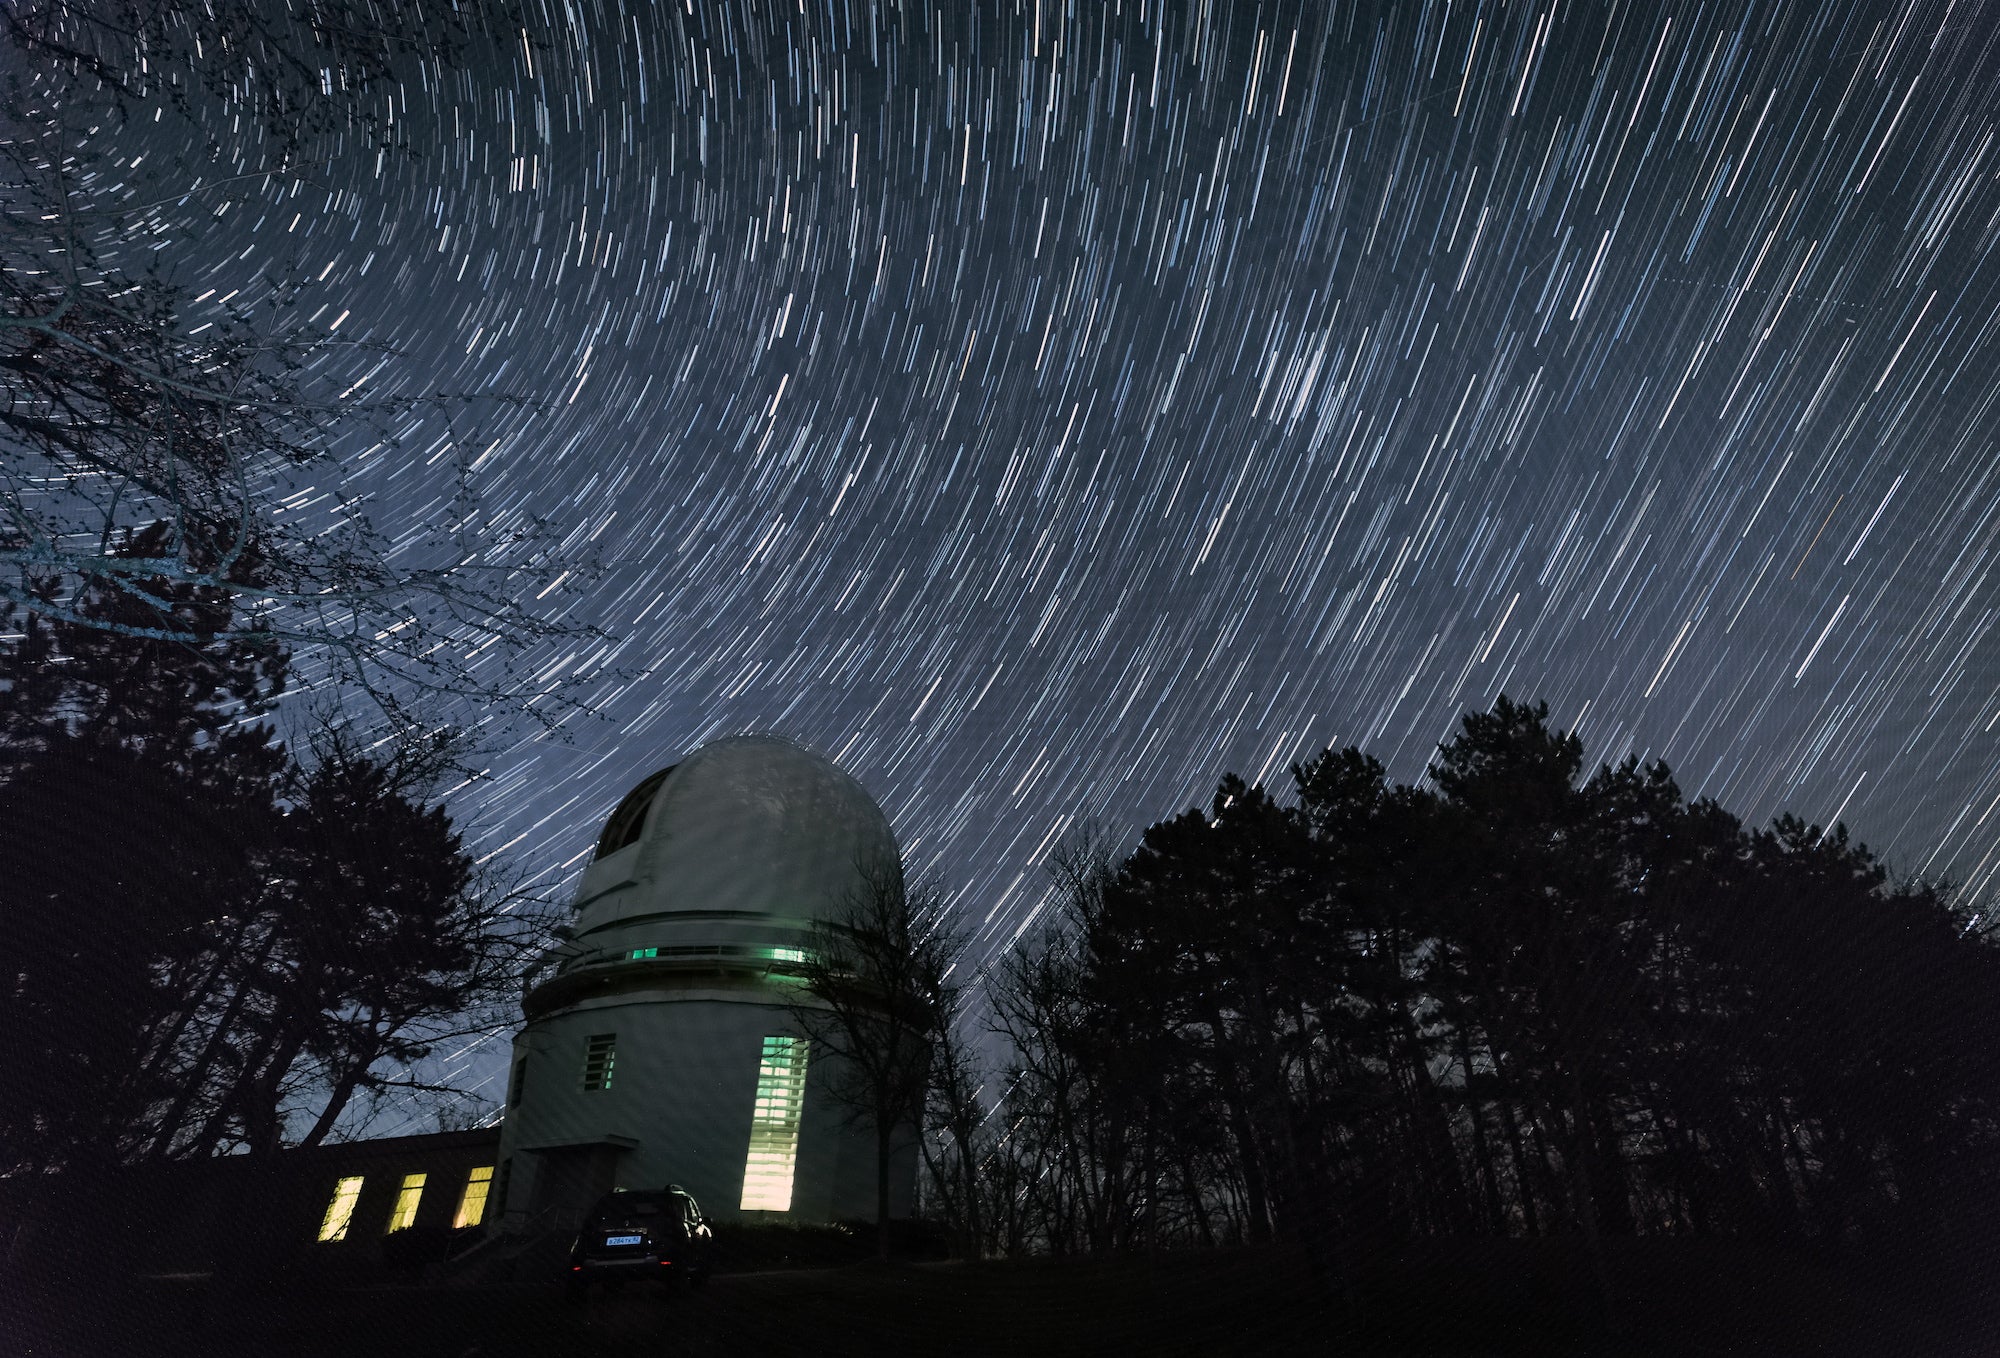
(341, 1210)
(472, 1204)
(406, 1202)
(598, 1054)
(774, 1126)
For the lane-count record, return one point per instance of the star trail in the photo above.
(1043, 412)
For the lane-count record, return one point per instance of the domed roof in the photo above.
(745, 824)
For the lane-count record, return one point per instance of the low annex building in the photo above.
(657, 1045)
(344, 1205)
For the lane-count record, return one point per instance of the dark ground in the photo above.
(1473, 1298)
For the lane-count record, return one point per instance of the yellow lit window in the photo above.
(774, 1126)
(472, 1206)
(341, 1210)
(406, 1202)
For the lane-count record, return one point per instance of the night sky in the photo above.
(1043, 415)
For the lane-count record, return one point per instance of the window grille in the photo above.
(472, 1203)
(774, 1126)
(340, 1211)
(405, 1214)
(598, 1055)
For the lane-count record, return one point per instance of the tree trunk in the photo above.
(1149, 1171)
(235, 1099)
(1077, 1200)
(1524, 1179)
(1786, 1193)
(337, 1098)
(1609, 1184)
(882, 1134)
(1191, 1186)
(1584, 1201)
(162, 1046)
(1482, 1152)
(1690, 1167)
(263, 1128)
(1254, 1183)
(968, 1170)
(1531, 1222)
(1446, 1187)
(197, 1076)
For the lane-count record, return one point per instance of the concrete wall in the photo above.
(679, 1108)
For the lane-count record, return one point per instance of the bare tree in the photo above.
(954, 1147)
(297, 70)
(233, 425)
(876, 991)
(1072, 1143)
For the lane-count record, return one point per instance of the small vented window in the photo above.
(630, 818)
(519, 1083)
(598, 1055)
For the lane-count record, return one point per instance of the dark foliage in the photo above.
(1515, 1000)
(214, 943)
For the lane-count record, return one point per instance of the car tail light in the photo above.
(666, 1263)
(576, 1268)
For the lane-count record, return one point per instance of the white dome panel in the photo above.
(752, 825)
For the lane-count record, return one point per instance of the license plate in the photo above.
(623, 1239)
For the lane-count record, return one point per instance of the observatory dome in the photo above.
(659, 1041)
(746, 826)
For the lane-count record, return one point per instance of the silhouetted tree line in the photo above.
(1510, 1001)
(210, 942)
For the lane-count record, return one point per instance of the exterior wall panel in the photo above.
(680, 1106)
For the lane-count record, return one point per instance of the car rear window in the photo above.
(628, 1207)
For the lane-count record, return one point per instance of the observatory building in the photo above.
(657, 1045)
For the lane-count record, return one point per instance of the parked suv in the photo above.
(642, 1234)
